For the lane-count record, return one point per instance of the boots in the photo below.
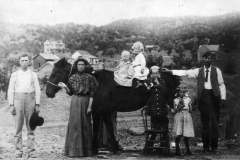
(177, 141)
(188, 151)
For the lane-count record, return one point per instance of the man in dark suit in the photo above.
(211, 93)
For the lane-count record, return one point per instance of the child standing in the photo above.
(124, 71)
(156, 106)
(183, 125)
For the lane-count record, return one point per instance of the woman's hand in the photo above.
(89, 110)
(62, 85)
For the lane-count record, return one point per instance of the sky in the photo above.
(102, 12)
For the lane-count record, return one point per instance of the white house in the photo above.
(52, 46)
(84, 54)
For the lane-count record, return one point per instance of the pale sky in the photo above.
(102, 12)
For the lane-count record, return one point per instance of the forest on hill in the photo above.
(181, 33)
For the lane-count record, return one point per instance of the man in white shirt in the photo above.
(211, 93)
(24, 99)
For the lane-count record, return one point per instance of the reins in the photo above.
(53, 84)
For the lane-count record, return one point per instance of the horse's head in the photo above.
(60, 73)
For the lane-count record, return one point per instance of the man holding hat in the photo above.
(211, 93)
(24, 98)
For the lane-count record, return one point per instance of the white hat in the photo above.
(154, 67)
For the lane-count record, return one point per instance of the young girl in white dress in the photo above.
(183, 124)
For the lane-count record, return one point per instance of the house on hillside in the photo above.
(215, 49)
(45, 69)
(85, 54)
(40, 59)
(109, 62)
(54, 46)
(149, 48)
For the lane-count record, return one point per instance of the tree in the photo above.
(9, 65)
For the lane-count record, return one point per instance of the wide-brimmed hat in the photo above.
(137, 47)
(35, 121)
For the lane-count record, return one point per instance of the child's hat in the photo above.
(182, 87)
(137, 47)
(154, 67)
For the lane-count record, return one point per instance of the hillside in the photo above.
(180, 33)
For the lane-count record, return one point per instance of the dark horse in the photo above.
(109, 98)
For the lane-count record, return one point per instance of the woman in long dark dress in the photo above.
(79, 131)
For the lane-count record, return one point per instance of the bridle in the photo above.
(53, 84)
(68, 78)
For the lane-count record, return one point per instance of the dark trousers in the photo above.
(209, 107)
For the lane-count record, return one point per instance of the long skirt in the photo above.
(183, 124)
(79, 131)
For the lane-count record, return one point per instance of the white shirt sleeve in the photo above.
(36, 88)
(192, 73)
(222, 87)
(11, 87)
(142, 60)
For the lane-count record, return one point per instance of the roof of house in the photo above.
(47, 63)
(48, 56)
(78, 53)
(214, 48)
(161, 53)
(53, 42)
(152, 46)
(64, 55)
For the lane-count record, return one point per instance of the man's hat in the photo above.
(35, 121)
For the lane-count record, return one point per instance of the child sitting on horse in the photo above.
(183, 124)
(139, 65)
(124, 71)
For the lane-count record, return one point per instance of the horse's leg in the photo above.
(96, 124)
(108, 120)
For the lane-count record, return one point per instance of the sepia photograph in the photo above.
(120, 79)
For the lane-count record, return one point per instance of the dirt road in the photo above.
(50, 137)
